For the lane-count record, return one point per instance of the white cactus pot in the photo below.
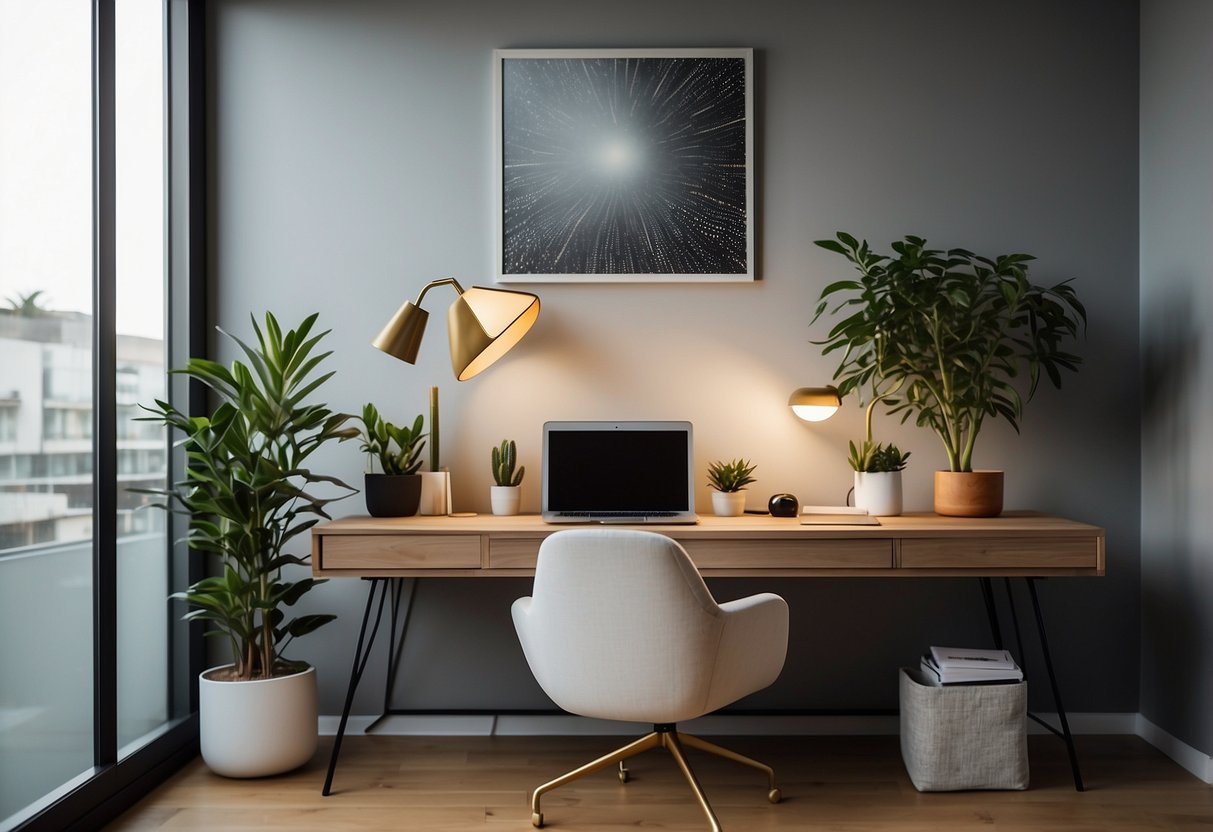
(505, 499)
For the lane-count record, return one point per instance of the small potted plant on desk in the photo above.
(878, 477)
(397, 491)
(951, 333)
(506, 495)
(728, 481)
(244, 494)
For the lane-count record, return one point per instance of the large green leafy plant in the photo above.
(946, 335)
(245, 490)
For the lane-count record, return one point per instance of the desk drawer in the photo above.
(381, 551)
(791, 554)
(514, 552)
(1000, 552)
(521, 553)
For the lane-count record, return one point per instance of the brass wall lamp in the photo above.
(814, 404)
(483, 325)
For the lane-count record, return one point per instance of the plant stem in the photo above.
(433, 428)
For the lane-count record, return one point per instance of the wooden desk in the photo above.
(1018, 544)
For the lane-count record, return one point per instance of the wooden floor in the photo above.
(851, 784)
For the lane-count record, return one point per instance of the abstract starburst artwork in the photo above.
(625, 165)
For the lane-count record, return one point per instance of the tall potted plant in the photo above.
(945, 336)
(245, 493)
(397, 491)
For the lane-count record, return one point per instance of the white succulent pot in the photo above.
(257, 728)
(879, 492)
(728, 503)
(505, 499)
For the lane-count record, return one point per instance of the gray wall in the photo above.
(1176, 309)
(352, 157)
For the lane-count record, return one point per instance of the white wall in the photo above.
(1176, 309)
(351, 158)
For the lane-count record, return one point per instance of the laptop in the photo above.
(618, 472)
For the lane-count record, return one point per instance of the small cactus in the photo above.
(504, 458)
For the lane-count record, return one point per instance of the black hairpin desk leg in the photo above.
(987, 592)
(1064, 733)
(360, 658)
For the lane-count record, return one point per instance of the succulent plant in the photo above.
(874, 459)
(730, 476)
(379, 435)
(504, 458)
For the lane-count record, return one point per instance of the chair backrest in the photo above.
(620, 625)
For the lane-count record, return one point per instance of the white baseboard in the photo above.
(1195, 761)
(717, 725)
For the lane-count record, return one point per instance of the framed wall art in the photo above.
(624, 165)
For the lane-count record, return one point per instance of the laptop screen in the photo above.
(593, 466)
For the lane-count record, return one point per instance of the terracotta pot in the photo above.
(968, 493)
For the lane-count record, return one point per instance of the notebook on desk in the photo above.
(618, 472)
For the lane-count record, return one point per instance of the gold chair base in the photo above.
(672, 741)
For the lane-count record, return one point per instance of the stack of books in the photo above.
(969, 666)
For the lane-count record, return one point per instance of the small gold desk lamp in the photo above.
(813, 404)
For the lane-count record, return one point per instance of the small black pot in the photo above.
(392, 495)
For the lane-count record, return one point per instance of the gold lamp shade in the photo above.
(814, 404)
(402, 335)
(483, 325)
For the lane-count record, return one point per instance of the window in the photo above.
(86, 260)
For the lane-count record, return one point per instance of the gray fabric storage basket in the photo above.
(963, 736)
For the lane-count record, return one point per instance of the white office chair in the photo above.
(621, 626)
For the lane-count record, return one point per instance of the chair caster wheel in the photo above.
(623, 775)
(774, 795)
(537, 820)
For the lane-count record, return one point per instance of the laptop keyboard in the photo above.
(594, 515)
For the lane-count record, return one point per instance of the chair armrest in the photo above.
(753, 646)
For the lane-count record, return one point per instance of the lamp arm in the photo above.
(445, 281)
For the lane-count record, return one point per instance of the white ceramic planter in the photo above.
(257, 728)
(878, 492)
(505, 499)
(728, 503)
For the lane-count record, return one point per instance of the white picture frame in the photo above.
(624, 165)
